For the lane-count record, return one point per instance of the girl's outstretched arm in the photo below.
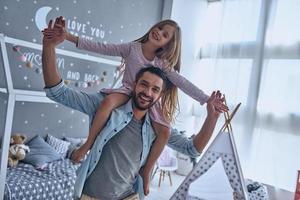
(192, 90)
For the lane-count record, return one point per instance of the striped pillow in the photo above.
(59, 145)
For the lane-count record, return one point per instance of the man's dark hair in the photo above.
(154, 70)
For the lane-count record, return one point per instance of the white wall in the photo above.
(187, 15)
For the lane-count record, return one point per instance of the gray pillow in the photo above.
(59, 145)
(40, 152)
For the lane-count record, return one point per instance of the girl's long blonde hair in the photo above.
(171, 56)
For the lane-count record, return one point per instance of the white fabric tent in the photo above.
(223, 147)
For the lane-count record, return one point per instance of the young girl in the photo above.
(161, 47)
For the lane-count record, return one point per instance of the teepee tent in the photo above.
(223, 147)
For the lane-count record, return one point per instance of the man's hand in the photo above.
(146, 181)
(78, 154)
(54, 34)
(215, 105)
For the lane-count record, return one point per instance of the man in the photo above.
(111, 169)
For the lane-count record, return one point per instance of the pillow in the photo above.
(40, 152)
(59, 145)
(75, 141)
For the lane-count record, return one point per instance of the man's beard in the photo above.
(136, 102)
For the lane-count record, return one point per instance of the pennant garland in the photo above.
(82, 84)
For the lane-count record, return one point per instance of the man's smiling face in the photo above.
(147, 91)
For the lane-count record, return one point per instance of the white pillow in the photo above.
(75, 141)
(59, 145)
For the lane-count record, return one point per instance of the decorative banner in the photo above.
(26, 69)
(89, 80)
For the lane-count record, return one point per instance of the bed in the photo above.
(45, 173)
(56, 181)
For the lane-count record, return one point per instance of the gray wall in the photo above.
(113, 21)
(43, 118)
(103, 20)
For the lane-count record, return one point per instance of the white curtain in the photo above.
(250, 49)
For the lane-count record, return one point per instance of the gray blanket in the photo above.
(56, 181)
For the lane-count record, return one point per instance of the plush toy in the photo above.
(17, 149)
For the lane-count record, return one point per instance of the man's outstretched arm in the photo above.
(50, 71)
(205, 133)
(194, 147)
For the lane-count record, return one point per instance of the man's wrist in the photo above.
(48, 46)
(212, 117)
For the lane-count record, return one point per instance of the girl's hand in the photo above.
(55, 33)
